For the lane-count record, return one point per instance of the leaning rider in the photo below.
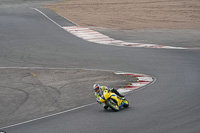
(99, 91)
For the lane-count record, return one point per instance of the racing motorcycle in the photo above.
(113, 101)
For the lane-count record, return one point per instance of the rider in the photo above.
(99, 91)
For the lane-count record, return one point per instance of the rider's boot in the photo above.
(116, 92)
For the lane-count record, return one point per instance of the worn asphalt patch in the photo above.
(29, 93)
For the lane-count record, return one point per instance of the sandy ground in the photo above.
(131, 14)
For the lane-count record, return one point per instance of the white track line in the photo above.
(46, 16)
(48, 116)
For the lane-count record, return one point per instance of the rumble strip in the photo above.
(142, 80)
(96, 37)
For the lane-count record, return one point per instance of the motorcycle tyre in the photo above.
(126, 104)
(105, 107)
(109, 105)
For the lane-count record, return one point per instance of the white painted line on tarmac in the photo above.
(48, 116)
(47, 17)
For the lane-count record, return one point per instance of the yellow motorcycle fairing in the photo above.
(108, 94)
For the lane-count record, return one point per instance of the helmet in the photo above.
(96, 87)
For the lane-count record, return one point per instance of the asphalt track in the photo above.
(170, 105)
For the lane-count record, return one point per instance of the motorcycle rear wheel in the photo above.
(126, 103)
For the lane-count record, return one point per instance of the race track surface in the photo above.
(170, 105)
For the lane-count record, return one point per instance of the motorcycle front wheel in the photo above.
(110, 103)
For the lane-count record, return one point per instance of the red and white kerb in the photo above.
(142, 80)
(96, 37)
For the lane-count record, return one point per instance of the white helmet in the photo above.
(96, 87)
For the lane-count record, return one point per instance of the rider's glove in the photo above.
(98, 100)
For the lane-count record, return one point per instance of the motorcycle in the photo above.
(113, 101)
